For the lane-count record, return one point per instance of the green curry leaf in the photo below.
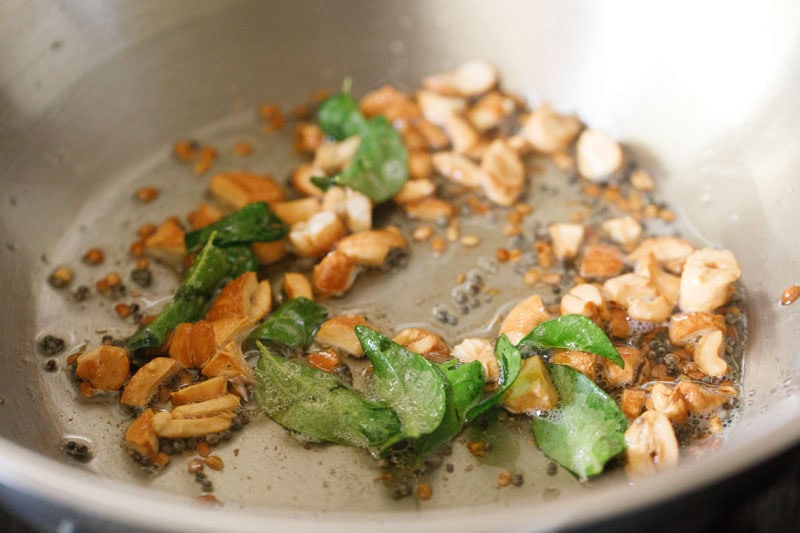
(314, 403)
(208, 271)
(464, 387)
(406, 382)
(339, 116)
(293, 324)
(252, 223)
(585, 430)
(572, 332)
(380, 165)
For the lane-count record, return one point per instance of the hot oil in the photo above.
(461, 292)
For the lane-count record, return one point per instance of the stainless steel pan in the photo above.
(92, 94)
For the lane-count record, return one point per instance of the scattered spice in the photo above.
(438, 245)
(51, 345)
(273, 117)
(146, 194)
(60, 277)
(195, 465)
(791, 294)
(123, 310)
(203, 449)
(143, 277)
(185, 150)
(214, 462)
(94, 257)
(424, 491)
(207, 157)
(243, 149)
(207, 499)
(478, 449)
(137, 248)
(145, 230)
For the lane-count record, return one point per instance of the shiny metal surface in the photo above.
(93, 93)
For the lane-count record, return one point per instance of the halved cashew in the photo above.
(599, 156)
(548, 132)
(371, 248)
(490, 110)
(687, 328)
(666, 400)
(334, 275)
(104, 368)
(623, 230)
(707, 354)
(707, 279)
(219, 406)
(639, 296)
(297, 285)
(600, 261)
(470, 79)
(145, 382)
(204, 390)
(193, 344)
(566, 238)
(167, 427)
(238, 189)
(415, 190)
(458, 168)
(227, 329)
(503, 177)
(167, 243)
(480, 350)
(584, 299)
(376, 102)
(419, 164)
(244, 296)
(432, 135)
(583, 362)
(229, 362)
(293, 211)
(301, 180)
(204, 215)
(340, 333)
(437, 108)
(684, 398)
(670, 252)
(523, 317)
(533, 390)
(141, 437)
(462, 135)
(700, 399)
(268, 253)
(316, 236)
(666, 284)
(651, 445)
(632, 402)
(332, 157)
(614, 375)
(424, 342)
(429, 209)
(354, 208)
